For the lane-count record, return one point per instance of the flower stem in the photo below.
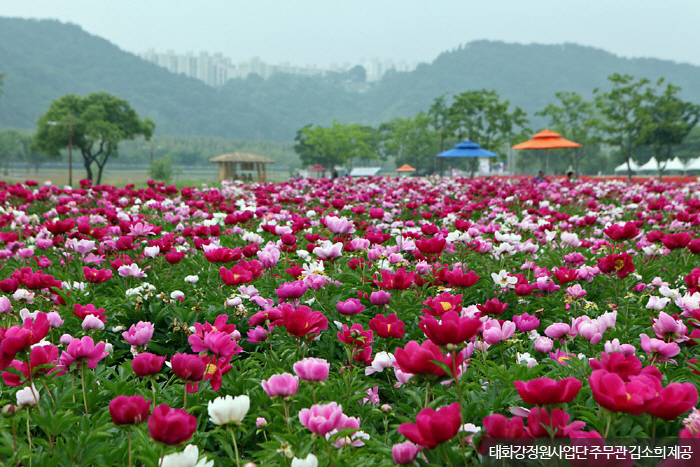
(286, 412)
(128, 435)
(82, 377)
(235, 447)
(153, 386)
(29, 435)
(184, 398)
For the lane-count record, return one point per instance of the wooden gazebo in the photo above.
(249, 162)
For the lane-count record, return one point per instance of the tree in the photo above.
(668, 121)
(11, 148)
(481, 117)
(577, 120)
(623, 111)
(439, 113)
(335, 145)
(411, 141)
(94, 125)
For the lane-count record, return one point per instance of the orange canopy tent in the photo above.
(405, 168)
(547, 140)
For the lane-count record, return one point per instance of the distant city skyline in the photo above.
(217, 69)
(323, 32)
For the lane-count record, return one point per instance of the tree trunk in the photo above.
(88, 169)
(629, 170)
(100, 168)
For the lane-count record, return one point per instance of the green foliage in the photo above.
(480, 116)
(94, 125)
(668, 121)
(335, 145)
(411, 141)
(623, 113)
(575, 119)
(17, 146)
(161, 170)
(197, 150)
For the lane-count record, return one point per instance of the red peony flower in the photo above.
(129, 410)
(548, 391)
(621, 232)
(451, 329)
(389, 326)
(620, 264)
(418, 359)
(433, 427)
(303, 322)
(171, 426)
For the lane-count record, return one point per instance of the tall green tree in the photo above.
(668, 121)
(94, 125)
(336, 145)
(411, 141)
(624, 113)
(482, 117)
(577, 120)
(439, 112)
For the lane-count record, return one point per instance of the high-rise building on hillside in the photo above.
(216, 70)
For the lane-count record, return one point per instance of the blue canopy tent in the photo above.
(466, 149)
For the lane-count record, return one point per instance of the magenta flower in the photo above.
(351, 306)
(291, 290)
(525, 322)
(139, 334)
(312, 369)
(658, 350)
(217, 342)
(321, 418)
(561, 356)
(81, 351)
(404, 453)
(281, 385)
(669, 329)
(380, 297)
(257, 334)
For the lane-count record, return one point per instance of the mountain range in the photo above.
(44, 59)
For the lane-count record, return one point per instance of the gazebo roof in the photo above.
(241, 157)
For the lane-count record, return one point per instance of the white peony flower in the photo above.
(224, 410)
(189, 457)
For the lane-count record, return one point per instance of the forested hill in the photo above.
(43, 60)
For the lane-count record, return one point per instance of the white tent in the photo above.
(674, 165)
(693, 164)
(651, 166)
(623, 167)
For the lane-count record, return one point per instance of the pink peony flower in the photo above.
(139, 334)
(658, 350)
(351, 306)
(281, 385)
(81, 351)
(321, 418)
(312, 369)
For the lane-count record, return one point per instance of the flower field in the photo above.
(348, 322)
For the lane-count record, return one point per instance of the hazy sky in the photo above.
(336, 31)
